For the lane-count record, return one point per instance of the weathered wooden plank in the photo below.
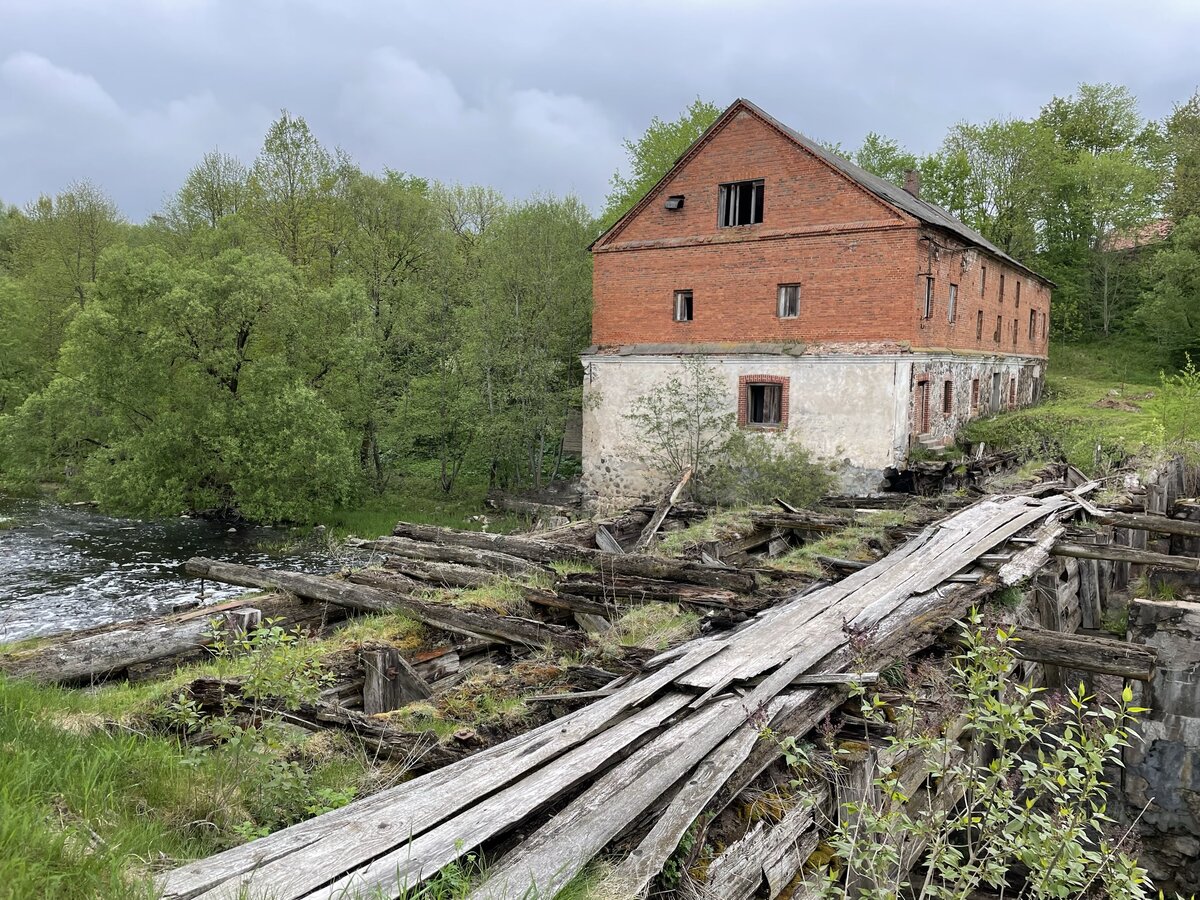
(414, 807)
(390, 681)
(660, 512)
(638, 869)
(1159, 524)
(546, 552)
(556, 852)
(765, 854)
(405, 866)
(606, 542)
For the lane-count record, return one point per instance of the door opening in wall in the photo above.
(921, 414)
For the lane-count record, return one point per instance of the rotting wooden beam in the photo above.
(637, 564)
(661, 511)
(376, 597)
(1142, 521)
(149, 646)
(1122, 554)
(1106, 656)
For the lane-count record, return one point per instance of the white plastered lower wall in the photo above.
(852, 410)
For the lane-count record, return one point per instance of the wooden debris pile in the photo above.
(656, 751)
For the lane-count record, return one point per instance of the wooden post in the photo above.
(240, 622)
(856, 791)
(390, 682)
(1050, 616)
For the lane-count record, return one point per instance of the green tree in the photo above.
(1183, 159)
(215, 188)
(291, 195)
(884, 157)
(525, 330)
(652, 155)
(1171, 304)
(205, 386)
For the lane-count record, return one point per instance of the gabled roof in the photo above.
(895, 196)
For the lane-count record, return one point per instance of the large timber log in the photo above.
(545, 552)
(1085, 652)
(1157, 524)
(475, 557)
(148, 647)
(1125, 554)
(382, 597)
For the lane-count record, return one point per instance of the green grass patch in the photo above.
(1097, 395)
(420, 500)
(722, 525)
(501, 595)
(653, 626)
(849, 543)
(92, 809)
(565, 567)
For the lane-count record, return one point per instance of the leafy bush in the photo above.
(1028, 795)
(756, 468)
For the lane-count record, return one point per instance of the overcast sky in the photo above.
(532, 96)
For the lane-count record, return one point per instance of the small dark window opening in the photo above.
(974, 394)
(1018, 298)
(999, 325)
(979, 325)
(1012, 392)
(1032, 324)
(929, 297)
(675, 202)
(740, 203)
(982, 280)
(952, 305)
(947, 397)
(764, 404)
(789, 301)
(1001, 287)
(683, 306)
(1014, 332)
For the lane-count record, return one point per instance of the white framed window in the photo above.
(788, 305)
(683, 306)
(764, 403)
(740, 203)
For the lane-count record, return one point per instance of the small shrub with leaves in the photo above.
(275, 671)
(754, 469)
(1022, 809)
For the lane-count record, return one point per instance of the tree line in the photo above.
(290, 334)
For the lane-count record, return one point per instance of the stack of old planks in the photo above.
(655, 752)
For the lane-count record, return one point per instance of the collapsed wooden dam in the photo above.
(674, 745)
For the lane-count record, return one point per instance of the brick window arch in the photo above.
(763, 401)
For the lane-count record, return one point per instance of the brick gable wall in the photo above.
(860, 263)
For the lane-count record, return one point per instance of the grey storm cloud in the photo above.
(531, 97)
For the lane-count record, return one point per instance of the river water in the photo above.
(66, 567)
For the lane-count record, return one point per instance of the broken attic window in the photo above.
(683, 306)
(764, 404)
(789, 301)
(740, 203)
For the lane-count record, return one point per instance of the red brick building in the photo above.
(844, 311)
